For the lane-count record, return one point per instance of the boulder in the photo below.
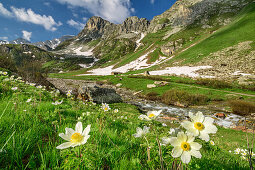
(149, 86)
(100, 95)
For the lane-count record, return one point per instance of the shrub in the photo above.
(154, 96)
(163, 21)
(219, 84)
(241, 107)
(172, 96)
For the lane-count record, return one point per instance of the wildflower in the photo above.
(163, 124)
(105, 107)
(1, 72)
(212, 142)
(153, 114)
(172, 131)
(69, 93)
(243, 157)
(5, 73)
(200, 126)
(32, 84)
(184, 147)
(166, 141)
(141, 132)
(237, 150)
(28, 100)
(39, 87)
(57, 102)
(144, 117)
(15, 88)
(74, 137)
(116, 111)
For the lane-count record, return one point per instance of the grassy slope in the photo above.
(242, 29)
(29, 136)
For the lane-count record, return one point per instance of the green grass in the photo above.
(238, 31)
(29, 136)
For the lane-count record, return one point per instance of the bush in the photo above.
(154, 96)
(218, 84)
(241, 107)
(172, 96)
(163, 21)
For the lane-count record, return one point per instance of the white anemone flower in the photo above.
(75, 137)
(105, 107)
(57, 102)
(144, 117)
(212, 142)
(166, 141)
(5, 73)
(116, 111)
(28, 100)
(154, 113)
(200, 126)
(141, 132)
(39, 87)
(237, 151)
(185, 147)
(15, 88)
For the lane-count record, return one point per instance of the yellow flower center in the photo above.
(199, 126)
(185, 146)
(151, 115)
(76, 138)
(106, 109)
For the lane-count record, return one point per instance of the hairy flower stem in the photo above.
(160, 154)
(148, 149)
(248, 144)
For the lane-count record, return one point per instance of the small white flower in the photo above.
(5, 73)
(237, 151)
(154, 113)
(116, 111)
(32, 84)
(57, 102)
(200, 126)
(28, 100)
(74, 137)
(166, 141)
(141, 132)
(243, 157)
(15, 88)
(185, 147)
(39, 87)
(172, 131)
(144, 117)
(105, 107)
(230, 151)
(163, 124)
(212, 142)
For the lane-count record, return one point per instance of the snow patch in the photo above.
(138, 41)
(237, 73)
(185, 70)
(86, 53)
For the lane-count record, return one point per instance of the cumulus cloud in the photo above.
(4, 11)
(152, 1)
(75, 24)
(113, 10)
(30, 16)
(26, 35)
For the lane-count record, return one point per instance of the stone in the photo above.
(146, 73)
(118, 85)
(170, 118)
(220, 115)
(161, 83)
(180, 104)
(100, 95)
(149, 86)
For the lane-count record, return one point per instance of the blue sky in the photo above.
(40, 20)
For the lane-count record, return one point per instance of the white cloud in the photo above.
(46, 3)
(3, 38)
(4, 11)
(113, 10)
(30, 16)
(26, 35)
(75, 24)
(152, 1)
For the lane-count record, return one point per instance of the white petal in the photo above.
(199, 117)
(177, 151)
(204, 136)
(185, 157)
(69, 131)
(166, 141)
(195, 153)
(139, 130)
(86, 131)
(187, 124)
(175, 142)
(85, 139)
(195, 146)
(78, 128)
(65, 136)
(64, 145)
(182, 136)
(146, 129)
(136, 135)
(208, 120)
(191, 115)
(194, 131)
(210, 128)
(191, 138)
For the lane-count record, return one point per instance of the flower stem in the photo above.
(148, 149)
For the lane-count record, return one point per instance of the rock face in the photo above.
(185, 12)
(97, 27)
(100, 95)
